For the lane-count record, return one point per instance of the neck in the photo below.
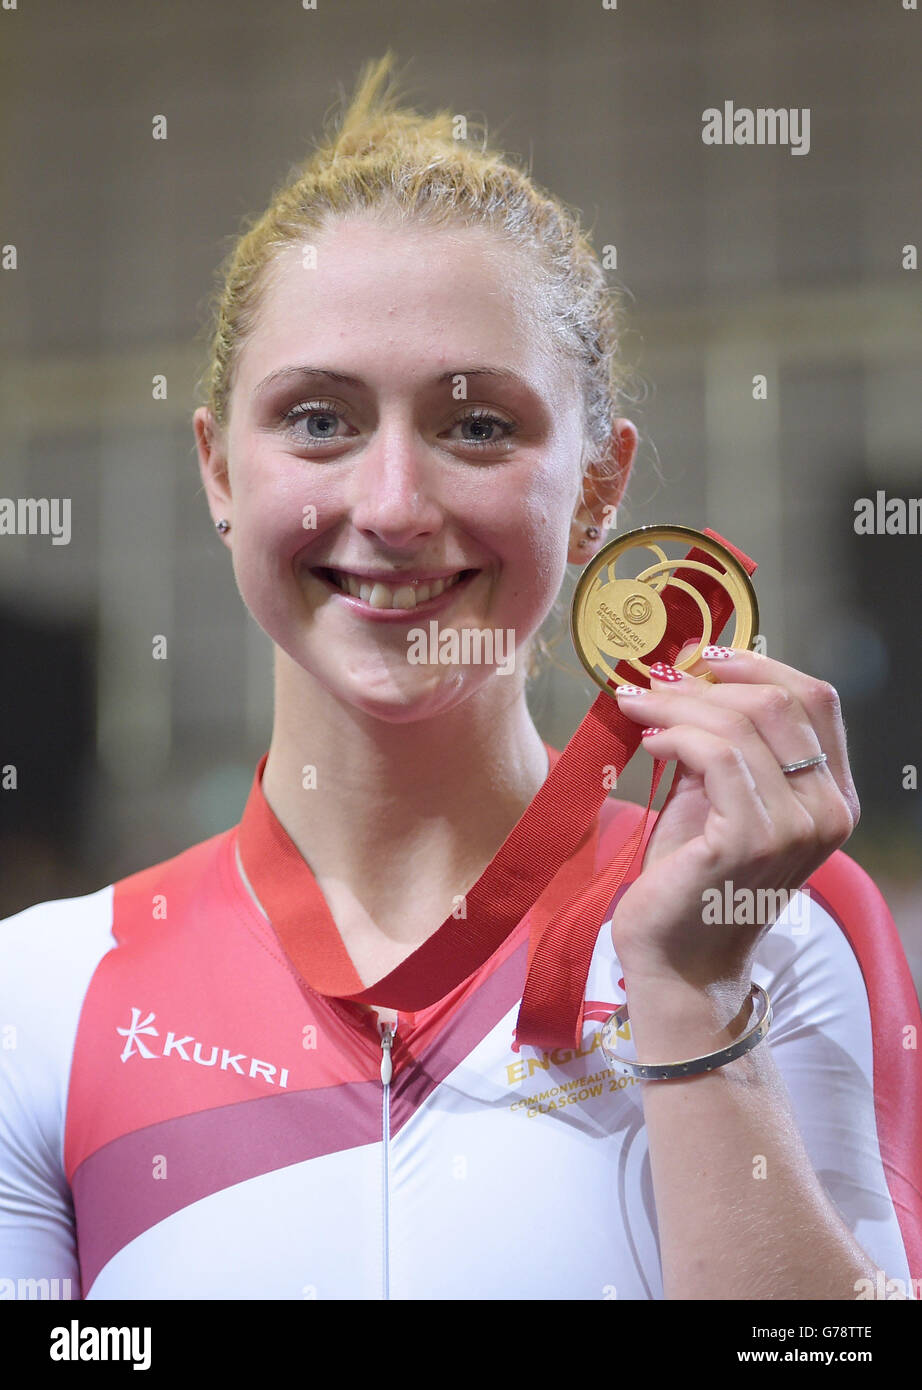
(428, 802)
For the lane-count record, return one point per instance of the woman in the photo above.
(410, 419)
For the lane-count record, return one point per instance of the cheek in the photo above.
(535, 504)
(278, 515)
(533, 549)
(545, 515)
(268, 535)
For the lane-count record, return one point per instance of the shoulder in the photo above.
(52, 952)
(194, 881)
(850, 897)
(841, 911)
(844, 1035)
(842, 991)
(49, 951)
(48, 956)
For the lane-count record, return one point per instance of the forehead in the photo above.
(380, 297)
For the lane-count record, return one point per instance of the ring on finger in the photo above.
(804, 763)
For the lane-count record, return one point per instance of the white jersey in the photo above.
(182, 1117)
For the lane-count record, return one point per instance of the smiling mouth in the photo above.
(402, 595)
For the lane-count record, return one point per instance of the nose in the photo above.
(397, 487)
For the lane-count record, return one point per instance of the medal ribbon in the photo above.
(548, 833)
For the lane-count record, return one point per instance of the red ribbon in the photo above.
(548, 833)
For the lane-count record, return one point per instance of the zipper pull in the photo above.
(387, 1042)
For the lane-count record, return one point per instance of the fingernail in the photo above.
(717, 653)
(664, 672)
(645, 733)
(631, 690)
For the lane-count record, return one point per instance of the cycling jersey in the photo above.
(183, 1117)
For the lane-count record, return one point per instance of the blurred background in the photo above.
(738, 261)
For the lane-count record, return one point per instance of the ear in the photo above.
(603, 486)
(212, 461)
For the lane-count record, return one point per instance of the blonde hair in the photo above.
(388, 160)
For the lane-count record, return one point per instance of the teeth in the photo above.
(383, 596)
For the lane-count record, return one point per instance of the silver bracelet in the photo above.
(667, 1071)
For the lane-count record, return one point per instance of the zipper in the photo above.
(387, 1031)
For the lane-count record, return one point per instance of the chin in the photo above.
(393, 703)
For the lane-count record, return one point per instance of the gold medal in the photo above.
(617, 617)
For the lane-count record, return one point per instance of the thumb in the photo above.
(700, 667)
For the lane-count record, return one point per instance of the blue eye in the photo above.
(308, 411)
(481, 418)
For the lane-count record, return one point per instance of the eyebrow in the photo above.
(299, 372)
